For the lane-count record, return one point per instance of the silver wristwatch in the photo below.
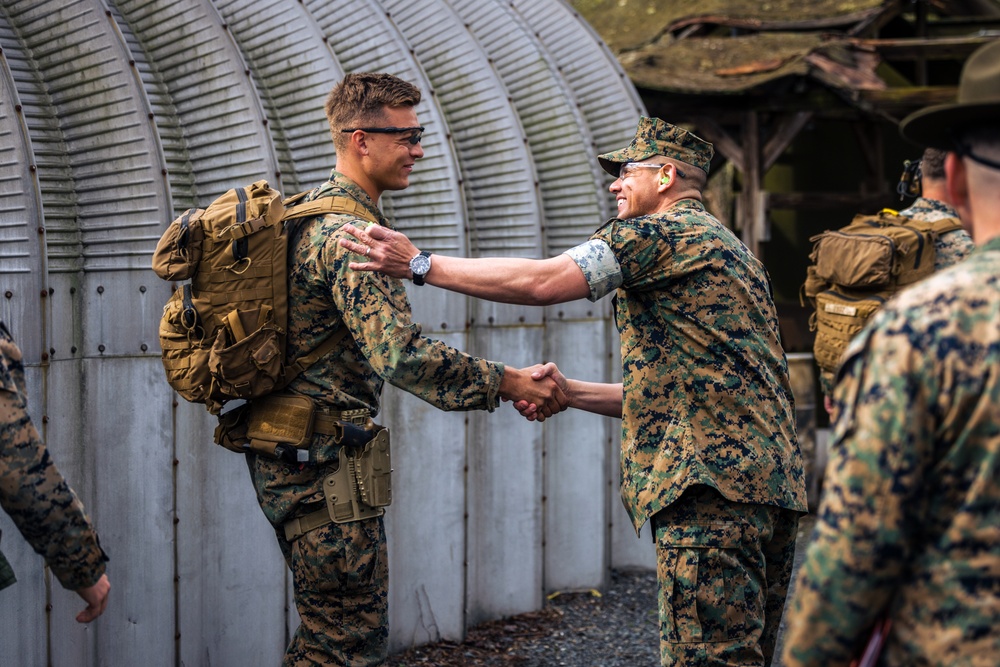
(419, 266)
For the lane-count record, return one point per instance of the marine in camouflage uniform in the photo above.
(341, 570)
(33, 492)
(709, 452)
(909, 524)
(910, 516)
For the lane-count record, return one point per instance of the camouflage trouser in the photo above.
(341, 579)
(723, 570)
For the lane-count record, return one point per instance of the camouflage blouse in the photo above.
(33, 492)
(910, 517)
(950, 247)
(707, 395)
(384, 344)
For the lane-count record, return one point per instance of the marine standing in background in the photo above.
(340, 566)
(933, 204)
(708, 448)
(44, 508)
(909, 523)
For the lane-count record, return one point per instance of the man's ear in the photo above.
(358, 143)
(666, 177)
(957, 182)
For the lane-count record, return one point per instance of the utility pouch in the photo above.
(231, 432)
(281, 426)
(360, 487)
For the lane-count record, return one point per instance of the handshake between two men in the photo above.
(539, 391)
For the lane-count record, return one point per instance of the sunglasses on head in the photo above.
(416, 135)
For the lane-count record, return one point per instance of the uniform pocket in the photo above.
(706, 592)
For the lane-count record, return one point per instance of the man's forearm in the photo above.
(529, 282)
(597, 397)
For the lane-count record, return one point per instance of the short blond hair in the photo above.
(361, 98)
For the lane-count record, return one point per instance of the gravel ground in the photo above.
(618, 629)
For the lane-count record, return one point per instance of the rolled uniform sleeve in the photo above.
(32, 491)
(599, 265)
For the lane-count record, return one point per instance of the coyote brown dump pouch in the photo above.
(223, 334)
(858, 268)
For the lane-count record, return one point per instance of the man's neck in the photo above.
(358, 176)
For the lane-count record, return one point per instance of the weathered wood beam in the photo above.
(788, 128)
(753, 221)
(929, 48)
(711, 131)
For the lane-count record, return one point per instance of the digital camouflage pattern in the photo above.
(33, 492)
(910, 515)
(658, 137)
(723, 570)
(950, 247)
(384, 345)
(707, 393)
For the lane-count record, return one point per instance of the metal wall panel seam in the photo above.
(558, 135)
(433, 210)
(491, 143)
(21, 284)
(221, 119)
(594, 75)
(162, 205)
(291, 66)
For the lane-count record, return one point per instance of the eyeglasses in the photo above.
(626, 169)
(414, 138)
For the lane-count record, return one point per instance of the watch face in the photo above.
(420, 265)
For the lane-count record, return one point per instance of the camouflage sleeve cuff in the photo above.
(493, 392)
(599, 265)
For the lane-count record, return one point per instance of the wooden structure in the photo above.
(750, 76)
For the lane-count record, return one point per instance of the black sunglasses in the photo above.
(414, 138)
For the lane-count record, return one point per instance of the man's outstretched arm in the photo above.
(530, 282)
(602, 398)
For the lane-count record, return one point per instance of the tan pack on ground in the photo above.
(857, 268)
(223, 333)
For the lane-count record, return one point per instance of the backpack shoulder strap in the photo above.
(325, 205)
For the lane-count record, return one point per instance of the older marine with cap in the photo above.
(708, 449)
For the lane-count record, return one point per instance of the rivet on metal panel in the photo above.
(265, 120)
(45, 356)
(31, 167)
(151, 115)
(131, 63)
(163, 172)
(143, 347)
(45, 419)
(72, 290)
(72, 350)
(277, 174)
(521, 318)
(52, 351)
(8, 294)
(44, 294)
(142, 289)
(41, 230)
(100, 348)
(444, 325)
(246, 72)
(52, 290)
(225, 26)
(100, 289)
(17, 108)
(490, 319)
(560, 314)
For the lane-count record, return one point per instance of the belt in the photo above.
(327, 422)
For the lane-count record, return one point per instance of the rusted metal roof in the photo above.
(631, 24)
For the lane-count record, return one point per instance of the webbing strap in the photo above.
(299, 526)
(325, 205)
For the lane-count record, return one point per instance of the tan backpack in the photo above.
(857, 268)
(223, 332)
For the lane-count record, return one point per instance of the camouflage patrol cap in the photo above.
(657, 137)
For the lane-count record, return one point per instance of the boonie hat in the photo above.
(657, 137)
(978, 100)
